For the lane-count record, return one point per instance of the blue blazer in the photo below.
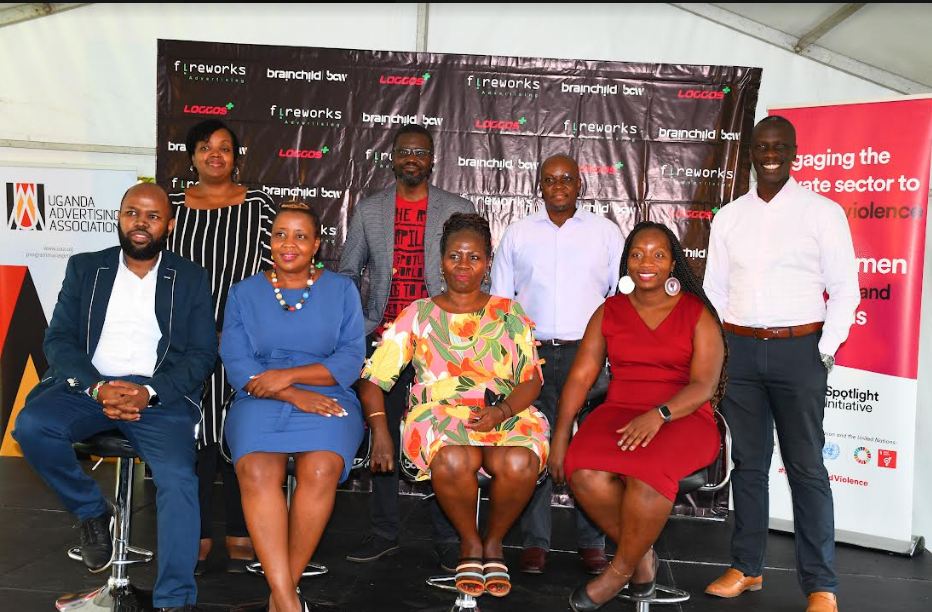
(187, 351)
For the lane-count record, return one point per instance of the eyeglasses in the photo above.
(566, 179)
(414, 152)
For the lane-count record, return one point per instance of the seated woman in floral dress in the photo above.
(463, 343)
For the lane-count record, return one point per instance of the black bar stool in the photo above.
(360, 461)
(713, 477)
(118, 593)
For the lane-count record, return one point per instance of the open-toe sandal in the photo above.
(497, 580)
(469, 578)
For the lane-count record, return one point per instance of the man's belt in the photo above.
(772, 333)
(559, 342)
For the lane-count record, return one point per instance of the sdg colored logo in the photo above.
(862, 455)
(831, 451)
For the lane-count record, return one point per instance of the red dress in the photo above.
(648, 368)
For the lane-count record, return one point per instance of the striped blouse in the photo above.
(232, 243)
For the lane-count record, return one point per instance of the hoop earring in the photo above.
(193, 170)
(235, 175)
(626, 284)
(672, 286)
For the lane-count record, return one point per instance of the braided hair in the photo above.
(297, 206)
(472, 222)
(688, 280)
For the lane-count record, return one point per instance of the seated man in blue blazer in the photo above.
(129, 346)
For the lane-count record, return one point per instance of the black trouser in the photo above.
(209, 460)
(780, 382)
(536, 521)
(383, 505)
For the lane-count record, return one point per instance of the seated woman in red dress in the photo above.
(667, 354)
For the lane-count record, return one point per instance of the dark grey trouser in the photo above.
(780, 382)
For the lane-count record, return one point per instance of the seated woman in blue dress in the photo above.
(292, 344)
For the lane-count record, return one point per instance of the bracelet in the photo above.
(376, 414)
(499, 406)
(511, 411)
(95, 390)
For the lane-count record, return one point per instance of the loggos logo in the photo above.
(304, 153)
(704, 94)
(25, 206)
(205, 109)
(410, 81)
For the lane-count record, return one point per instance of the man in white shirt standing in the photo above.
(131, 341)
(560, 264)
(773, 253)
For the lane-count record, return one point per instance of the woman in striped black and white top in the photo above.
(226, 228)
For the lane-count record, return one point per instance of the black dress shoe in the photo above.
(580, 601)
(97, 542)
(646, 590)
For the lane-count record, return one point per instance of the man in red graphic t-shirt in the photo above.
(394, 235)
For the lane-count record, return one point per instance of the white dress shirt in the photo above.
(770, 263)
(559, 275)
(130, 335)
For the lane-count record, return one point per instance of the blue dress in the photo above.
(258, 335)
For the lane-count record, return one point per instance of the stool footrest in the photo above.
(662, 596)
(312, 569)
(105, 599)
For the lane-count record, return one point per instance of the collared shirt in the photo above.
(130, 335)
(560, 275)
(770, 263)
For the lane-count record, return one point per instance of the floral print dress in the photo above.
(456, 357)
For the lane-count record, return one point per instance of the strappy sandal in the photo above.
(497, 582)
(467, 580)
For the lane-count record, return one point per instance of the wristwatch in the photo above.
(153, 396)
(828, 361)
(664, 411)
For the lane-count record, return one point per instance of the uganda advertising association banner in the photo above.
(49, 215)
(880, 177)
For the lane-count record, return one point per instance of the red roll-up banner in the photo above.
(871, 158)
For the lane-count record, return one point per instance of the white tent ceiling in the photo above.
(888, 44)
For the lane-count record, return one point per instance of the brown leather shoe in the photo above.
(822, 601)
(593, 559)
(533, 560)
(732, 583)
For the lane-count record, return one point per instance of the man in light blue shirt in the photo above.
(560, 264)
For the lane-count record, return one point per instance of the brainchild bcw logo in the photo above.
(411, 81)
(862, 455)
(25, 206)
(202, 109)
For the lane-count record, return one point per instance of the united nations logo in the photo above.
(831, 451)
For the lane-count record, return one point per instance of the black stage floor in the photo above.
(34, 570)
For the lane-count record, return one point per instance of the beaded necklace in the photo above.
(304, 295)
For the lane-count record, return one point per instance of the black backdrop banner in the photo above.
(665, 142)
